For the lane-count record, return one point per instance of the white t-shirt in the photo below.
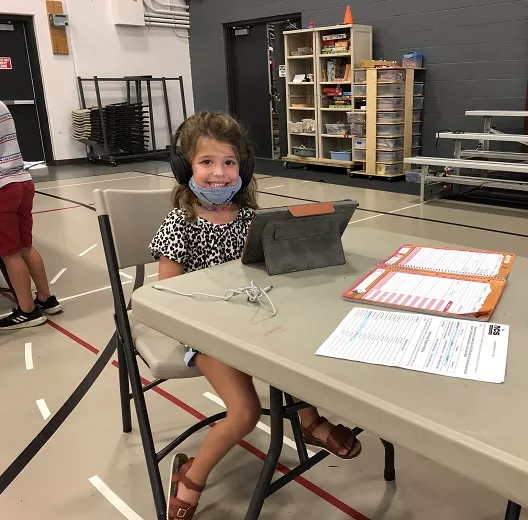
(11, 163)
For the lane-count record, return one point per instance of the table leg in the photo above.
(425, 171)
(272, 458)
(458, 153)
(513, 511)
(487, 130)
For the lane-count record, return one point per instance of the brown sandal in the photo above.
(178, 509)
(335, 441)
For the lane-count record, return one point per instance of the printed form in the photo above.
(454, 261)
(443, 346)
(428, 293)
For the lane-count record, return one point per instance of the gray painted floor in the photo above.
(55, 485)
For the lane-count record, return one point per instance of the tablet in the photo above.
(311, 215)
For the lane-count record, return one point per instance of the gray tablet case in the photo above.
(299, 238)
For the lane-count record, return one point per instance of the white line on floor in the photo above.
(29, 356)
(260, 425)
(273, 187)
(90, 292)
(43, 407)
(304, 182)
(385, 214)
(152, 275)
(126, 275)
(121, 506)
(88, 250)
(85, 183)
(58, 275)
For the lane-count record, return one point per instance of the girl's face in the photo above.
(215, 164)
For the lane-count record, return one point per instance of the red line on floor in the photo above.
(310, 486)
(56, 209)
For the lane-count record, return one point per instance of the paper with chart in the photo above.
(453, 261)
(428, 292)
(443, 346)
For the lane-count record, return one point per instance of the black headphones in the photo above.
(182, 169)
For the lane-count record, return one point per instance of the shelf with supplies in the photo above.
(336, 51)
(388, 129)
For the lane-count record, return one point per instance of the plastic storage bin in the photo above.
(417, 115)
(360, 155)
(337, 128)
(418, 89)
(389, 169)
(360, 142)
(341, 155)
(415, 152)
(389, 156)
(301, 151)
(358, 130)
(412, 60)
(389, 143)
(395, 103)
(358, 116)
(416, 128)
(391, 76)
(360, 76)
(360, 90)
(413, 176)
(389, 130)
(391, 90)
(415, 141)
(390, 117)
(418, 102)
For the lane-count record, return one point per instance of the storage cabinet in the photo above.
(320, 86)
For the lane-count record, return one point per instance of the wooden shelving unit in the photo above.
(358, 45)
(389, 129)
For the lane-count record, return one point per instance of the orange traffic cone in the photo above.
(348, 16)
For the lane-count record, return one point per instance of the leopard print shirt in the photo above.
(202, 244)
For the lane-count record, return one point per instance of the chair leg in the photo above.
(297, 432)
(124, 388)
(390, 471)
(146, 434)
(513, 511)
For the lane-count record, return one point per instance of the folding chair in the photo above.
(9, 287)
(128, 220)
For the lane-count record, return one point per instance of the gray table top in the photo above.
(476, 429)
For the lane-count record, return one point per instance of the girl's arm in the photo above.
(169, 268)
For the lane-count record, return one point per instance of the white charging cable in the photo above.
(254, 295)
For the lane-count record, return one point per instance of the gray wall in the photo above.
(476, 51)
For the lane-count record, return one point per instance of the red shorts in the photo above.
(16, 219)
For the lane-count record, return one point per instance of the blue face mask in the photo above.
(215, 196)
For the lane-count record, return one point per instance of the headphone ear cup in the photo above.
(181, 169)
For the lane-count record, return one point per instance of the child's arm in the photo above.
(169, 268)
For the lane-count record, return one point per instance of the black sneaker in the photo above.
(21, 320)
(50, 306)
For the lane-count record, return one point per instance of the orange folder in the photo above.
(436, 280)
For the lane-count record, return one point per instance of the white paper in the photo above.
(444, 346)
(471, 263)
(426, 292)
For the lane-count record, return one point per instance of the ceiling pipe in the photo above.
(171, 25)
(166, 22)
(153, 9)
(164, 4)
(181, 17)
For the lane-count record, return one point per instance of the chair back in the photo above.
(134, 216)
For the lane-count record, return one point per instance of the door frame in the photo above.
(228, 46)
(38, 86)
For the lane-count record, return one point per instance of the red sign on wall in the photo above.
(5, 64)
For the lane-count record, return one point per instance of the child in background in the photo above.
(22, 261)
(214, 205)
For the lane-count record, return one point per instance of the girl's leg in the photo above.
(243, 412)
(309, 415)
